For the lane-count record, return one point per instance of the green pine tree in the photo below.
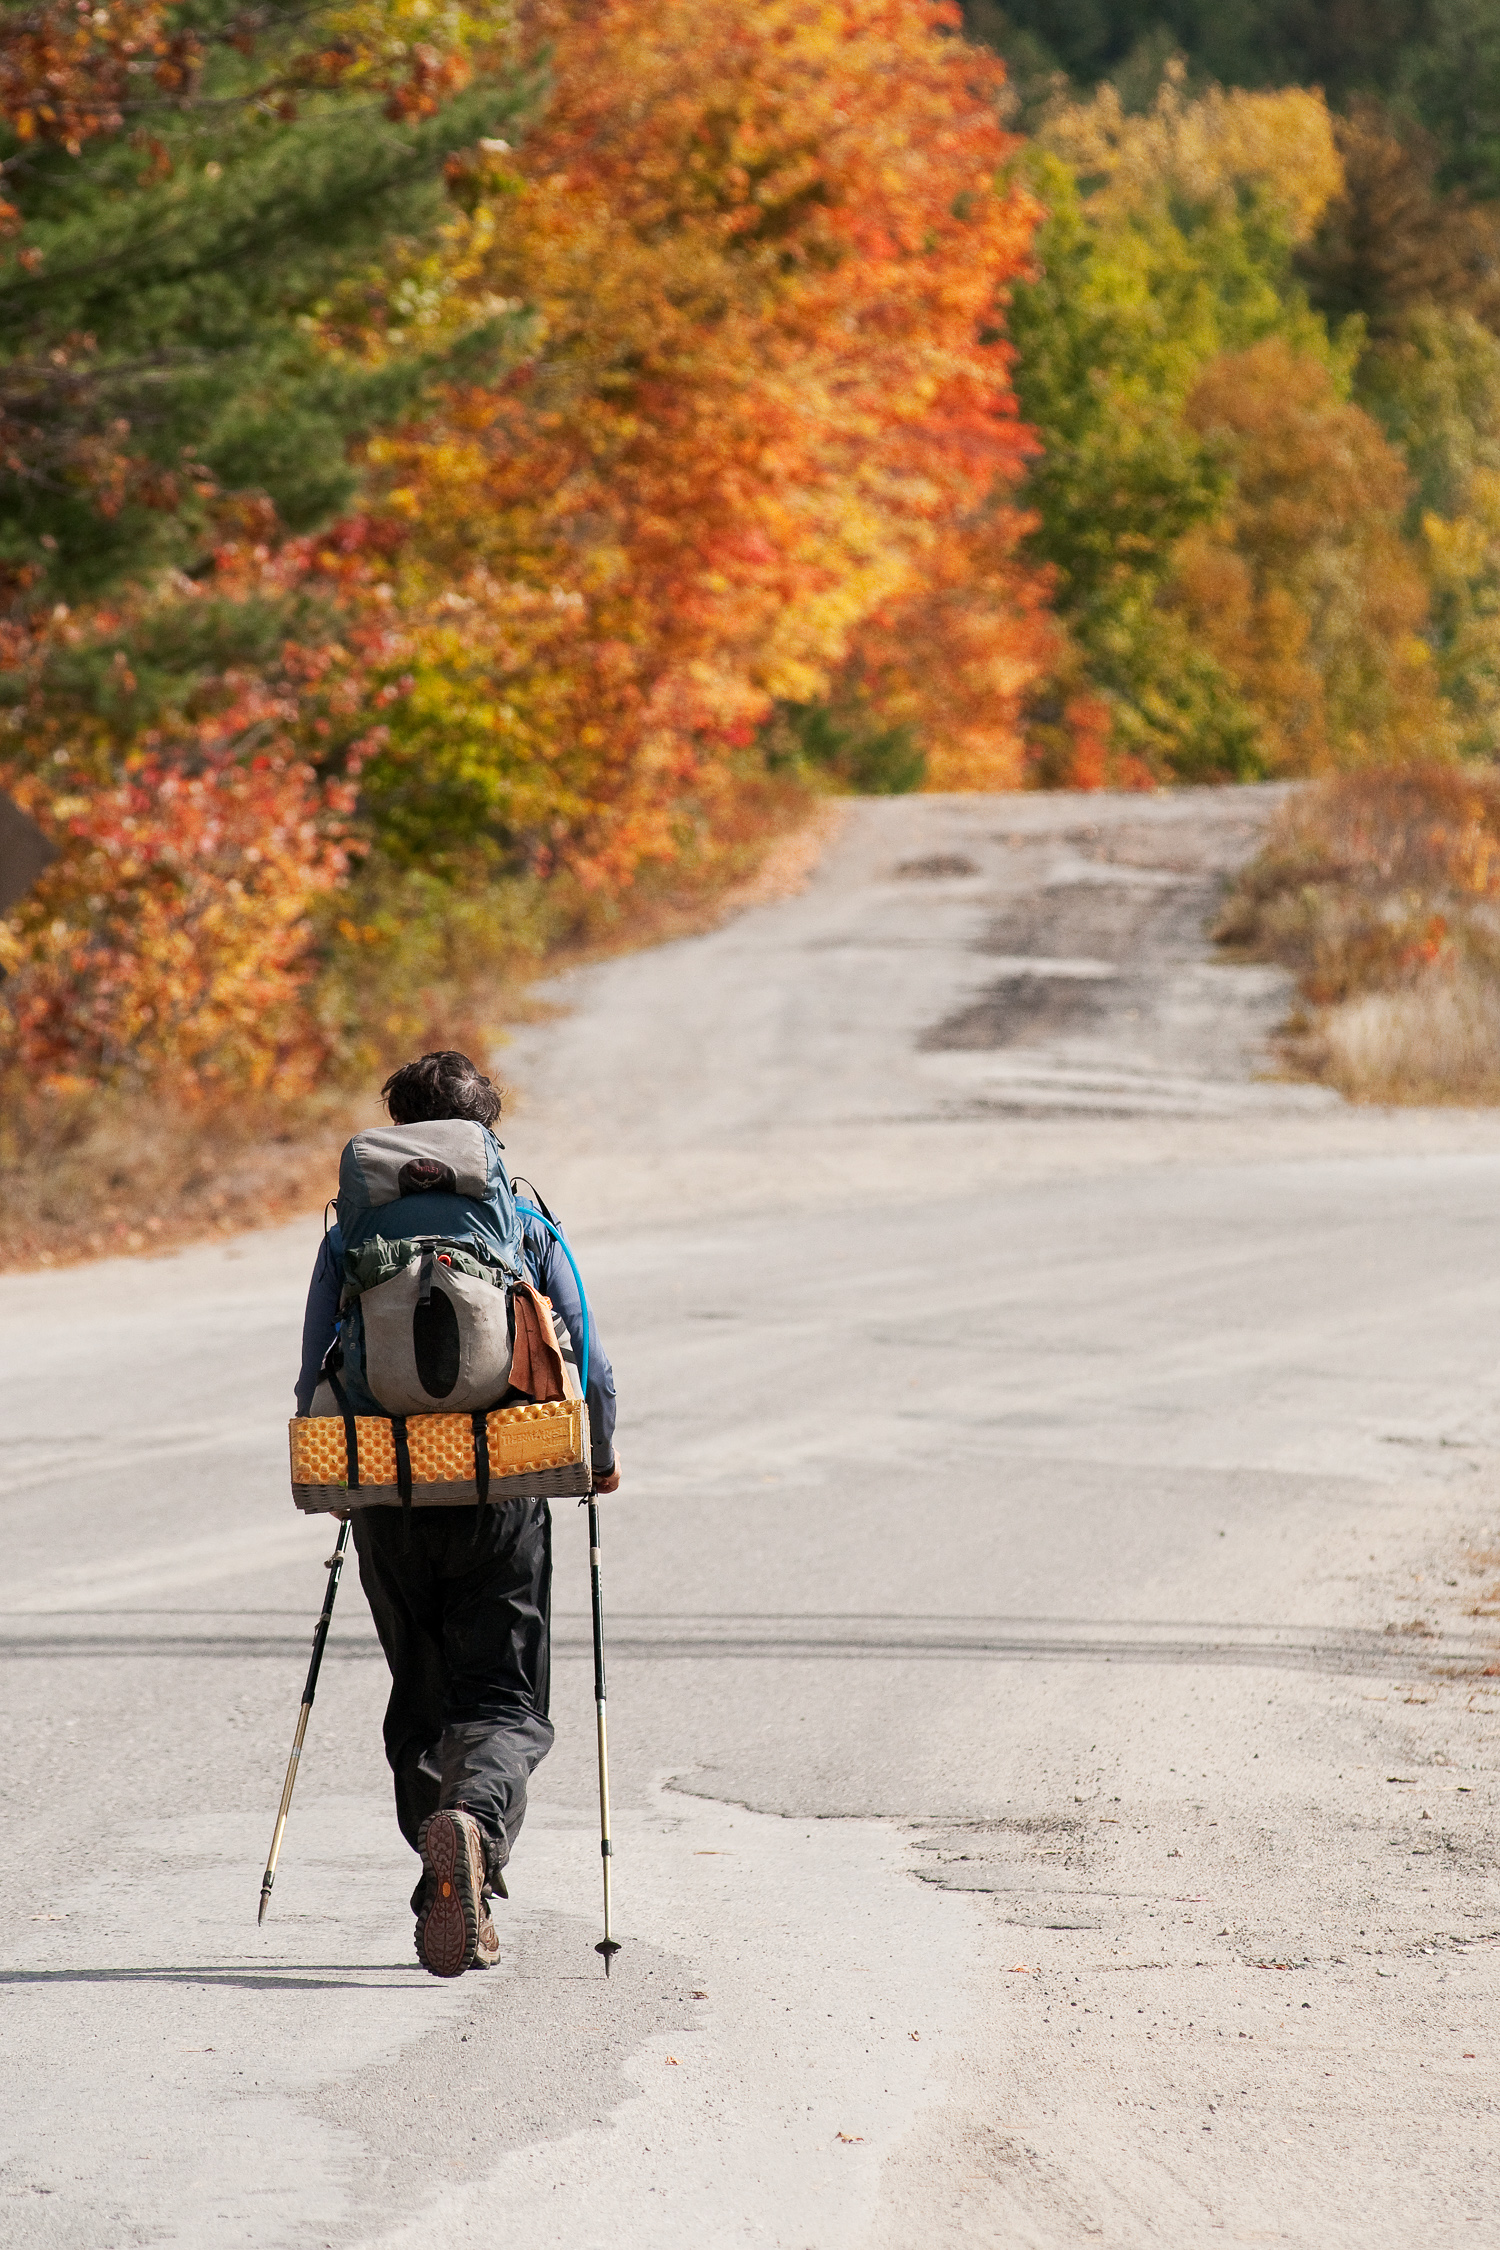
(162, 302)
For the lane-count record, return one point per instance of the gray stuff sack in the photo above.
(437, 1333)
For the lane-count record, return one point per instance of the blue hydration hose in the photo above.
(532, 1212)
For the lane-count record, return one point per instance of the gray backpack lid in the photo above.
(442, 1156)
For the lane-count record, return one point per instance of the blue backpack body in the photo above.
(431, 1247)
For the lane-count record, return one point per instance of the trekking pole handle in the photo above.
(598, 1600)
(334, 1565)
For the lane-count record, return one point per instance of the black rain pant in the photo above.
(463, 1610)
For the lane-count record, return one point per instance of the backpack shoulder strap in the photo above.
(536, 1195)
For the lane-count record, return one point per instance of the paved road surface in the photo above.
(1055, 1603)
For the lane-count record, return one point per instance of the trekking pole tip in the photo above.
(609, 1947)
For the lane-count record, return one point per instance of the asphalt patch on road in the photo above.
(1023, 1010)
(539, 2051)
(1104, 935)
(1104, 921)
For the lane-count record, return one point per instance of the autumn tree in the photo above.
(185, 186)
(694, 420)
(1169, 240)
(1436, 62)
(1303, 589)
(758, 453)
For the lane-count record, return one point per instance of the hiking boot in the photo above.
(453, 1908)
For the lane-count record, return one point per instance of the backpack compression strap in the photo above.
(403, 1474)
(479, 1424)
(351, 1433)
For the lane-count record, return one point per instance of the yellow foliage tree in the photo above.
(1206, 150)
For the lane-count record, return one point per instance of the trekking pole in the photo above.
(333, 1566)
(608, 1946)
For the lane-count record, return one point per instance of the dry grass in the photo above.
(101, 1177)
(1381, 890)
(97, 1175)
(1437, 1040)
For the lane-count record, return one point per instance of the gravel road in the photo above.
(1055, 1617)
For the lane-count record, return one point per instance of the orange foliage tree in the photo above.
(757, 448)
(1304, 590)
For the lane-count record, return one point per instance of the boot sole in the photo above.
(447, 1932)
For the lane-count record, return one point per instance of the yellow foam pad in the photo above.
(522, 1441)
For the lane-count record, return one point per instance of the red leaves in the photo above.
(170, 942)
(171, 938)
(65, 71)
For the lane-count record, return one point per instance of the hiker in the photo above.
(460, 1596)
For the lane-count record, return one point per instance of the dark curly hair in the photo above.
(444, 1084)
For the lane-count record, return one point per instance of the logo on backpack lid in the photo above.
(424, 1175)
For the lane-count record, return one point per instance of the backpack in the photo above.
(432, 1251)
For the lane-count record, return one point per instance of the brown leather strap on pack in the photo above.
(536, 1365)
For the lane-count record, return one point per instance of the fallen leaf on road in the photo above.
(849, 2136)
(673, 2059)
(1019, 1969)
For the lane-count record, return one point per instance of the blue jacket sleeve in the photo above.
(321, 1319)
(550, 1271)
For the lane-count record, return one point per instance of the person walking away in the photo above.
(461, 1597)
